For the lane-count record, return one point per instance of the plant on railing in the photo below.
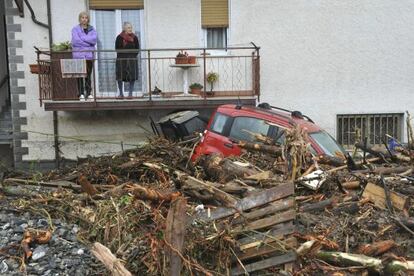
(184, 58)
(181, 57)
(212, 77)
(62, 46)
(196, 88)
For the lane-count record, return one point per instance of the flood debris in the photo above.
(276, 209)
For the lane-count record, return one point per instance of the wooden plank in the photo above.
(174, 234)
(277, 232)
(266, 222)
(265, 249)
(250, 202)
(376, 194)
(270, 262)
(274, 207)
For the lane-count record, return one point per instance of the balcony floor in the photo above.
(145, 103)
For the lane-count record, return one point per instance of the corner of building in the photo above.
(17, 86)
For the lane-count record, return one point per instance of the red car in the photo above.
(232, 123)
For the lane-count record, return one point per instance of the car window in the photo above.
(219, 123)
(277, 134)
(243, 127)
(327, 143)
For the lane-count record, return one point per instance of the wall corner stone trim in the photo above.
(16, 104)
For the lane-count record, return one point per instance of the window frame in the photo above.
(345, 128)
(251, 117)
(118, 28)
(204, 33)
(227, 125)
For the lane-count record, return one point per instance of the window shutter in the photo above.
(116, 4)
(214, 13)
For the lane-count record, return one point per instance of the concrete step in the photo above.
(6, 126)
(6, 138)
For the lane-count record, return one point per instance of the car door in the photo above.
(216, 138)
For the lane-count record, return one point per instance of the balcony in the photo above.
(163, 81)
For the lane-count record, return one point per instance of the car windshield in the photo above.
(327, 143)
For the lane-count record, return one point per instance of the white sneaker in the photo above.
(90, 97)
(82, 98)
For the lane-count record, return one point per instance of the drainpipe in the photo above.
(55, 114)
(34, 19)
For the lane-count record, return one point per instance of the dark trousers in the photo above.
(121, 90)
(85, 84)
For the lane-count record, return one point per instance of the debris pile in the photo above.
(275, 209)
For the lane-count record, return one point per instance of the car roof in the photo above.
(272, 115)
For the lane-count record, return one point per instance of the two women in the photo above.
(84, 38)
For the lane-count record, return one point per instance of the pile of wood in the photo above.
(153, 212)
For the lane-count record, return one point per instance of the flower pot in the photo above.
(181, 60)
(191, 60)
(196, 91)
(34, 68)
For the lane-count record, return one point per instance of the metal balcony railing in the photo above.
(160, 75)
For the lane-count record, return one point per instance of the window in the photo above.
(355, 127)
(278, 134)
(327, 143)
(243, 127)
(216, 37)
(219, 123)
(214, 23)
(108, 24)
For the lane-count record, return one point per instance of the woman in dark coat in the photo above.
(126, 63)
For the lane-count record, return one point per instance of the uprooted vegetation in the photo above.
(275, 208)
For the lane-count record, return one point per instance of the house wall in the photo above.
(329, 57)
(322, 57)
(172, 24)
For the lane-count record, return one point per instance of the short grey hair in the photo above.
(125, 25)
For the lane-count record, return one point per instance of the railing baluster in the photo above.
(204, 73)
(149, 76)
(94, 81)
(40, 74)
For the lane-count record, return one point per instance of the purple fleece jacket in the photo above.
(82, 41)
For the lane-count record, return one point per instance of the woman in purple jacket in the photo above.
(84, 38)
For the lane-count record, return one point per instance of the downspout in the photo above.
(34, 19)
(55, 114)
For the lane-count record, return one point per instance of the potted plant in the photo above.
(34, 68)
(62, 46)
(212, 77)
(181, 58)
(196, 88)
(191, 59)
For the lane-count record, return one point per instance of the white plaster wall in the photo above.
(326, 57)
(102, 132)
(172, 23)
(40, 146)
(64, 17)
